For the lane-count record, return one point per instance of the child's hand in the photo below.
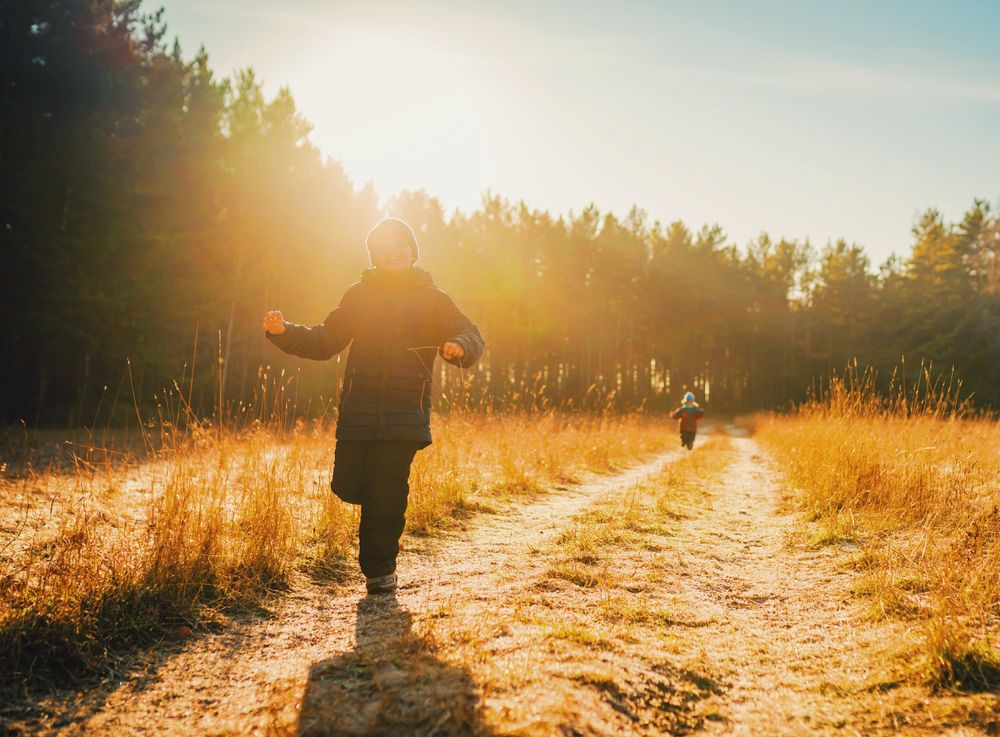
(452, 350)
(274, 323)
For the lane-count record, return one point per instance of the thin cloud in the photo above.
(825, 75)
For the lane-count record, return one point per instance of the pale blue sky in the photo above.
(804, 119)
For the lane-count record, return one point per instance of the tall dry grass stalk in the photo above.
(217, 516)
(916, 481)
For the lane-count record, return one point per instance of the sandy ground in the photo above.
(788, 649)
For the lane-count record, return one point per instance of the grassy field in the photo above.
(669, 604)
(113, 554)
(916, 486)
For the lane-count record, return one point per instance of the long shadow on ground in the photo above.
(391, 684)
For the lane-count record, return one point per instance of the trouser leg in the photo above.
(383, 509)
(348, 470)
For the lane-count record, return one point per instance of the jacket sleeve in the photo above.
(676, 414)
(458, 328)
(322, 341)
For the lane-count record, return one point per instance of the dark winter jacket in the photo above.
(397, 322)
(688, 416)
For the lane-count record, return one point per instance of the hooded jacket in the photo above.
(395, 323)
(688, 414)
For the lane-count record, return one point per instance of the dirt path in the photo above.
(770, 619)
(231, 682)
(726, 619)
(790, 643)
(723, 620)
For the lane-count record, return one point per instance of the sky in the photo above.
(803, 119)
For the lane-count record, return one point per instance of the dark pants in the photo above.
(687, 438)
(375, 474)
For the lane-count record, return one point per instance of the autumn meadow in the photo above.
(823, 558)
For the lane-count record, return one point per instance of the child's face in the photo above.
(391, 254)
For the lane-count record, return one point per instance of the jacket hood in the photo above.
(409, 279)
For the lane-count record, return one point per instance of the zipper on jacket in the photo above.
(423, 387)
(347, 389)
(382, 372)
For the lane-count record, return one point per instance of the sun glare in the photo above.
(406, 113)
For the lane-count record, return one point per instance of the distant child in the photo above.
(688, 413)
(396, 321)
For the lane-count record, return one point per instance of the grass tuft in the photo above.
(910, 478)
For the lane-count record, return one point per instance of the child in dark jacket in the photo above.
(688, 413)
(396, 321)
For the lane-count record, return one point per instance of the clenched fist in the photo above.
(452, 349)
(274, 323)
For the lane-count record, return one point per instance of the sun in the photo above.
(399, 111)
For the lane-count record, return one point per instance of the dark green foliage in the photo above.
(147, 208)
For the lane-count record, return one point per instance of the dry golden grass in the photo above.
(918, 488)
(114, 556)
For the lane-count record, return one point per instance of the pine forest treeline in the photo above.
(152, 211)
